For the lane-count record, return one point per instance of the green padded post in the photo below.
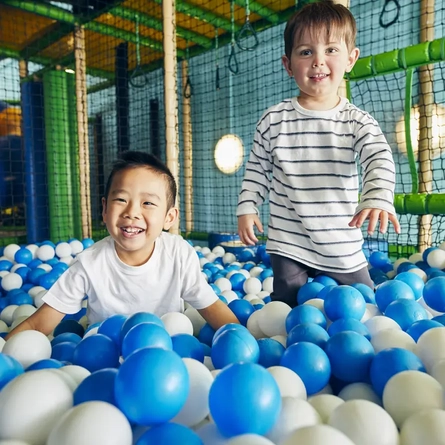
(57, 131)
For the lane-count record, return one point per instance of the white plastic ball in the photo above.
(250, 297)
(229, 295)
(419, 272)
(3, 273)
(92, 423)
(410, 392)
(431, 347)
(253, 326)
(76, 372)
(31, 405)
(203, 261)
(398, 262)
(318, 435)
(45, 252)
(45, 267)
(272, 318)
(256, 271)
(359, 391)
(35, 290)
(373, 310)
(76, 247)
(255, 301)
(438, 372)
(210, 257)
(326, 390)
(392, 338)
(7, 314)
(391, 274)
(325, 404)
(177, 323)
(210, 435)
(28, 347)
(205, 250)
(442, 245)
(196, 407)
(33, 249)
(294, 414)
(197, 248)
(219, 251)
(268, 284)
(223, 284)
(2, 343)
(379, 323)
(230, 273)
(249, 439)
(3, 326)
(68, 260)
(10, 251)
(436, 258)
(263, 294)
(25, 310)
(289, 382)
(11, 281)
(208, 363)
(424, 427)
(430, 310)
(38, 299)
(365, 423)
(18, 321)
(16, 266)
(281, 339)
(228, 258)
(415, 258)
(198, 321)
(245, 273)
(91, 331)
(318, 303)
(253, 285)
(84, 321)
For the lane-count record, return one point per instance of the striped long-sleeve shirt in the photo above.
(306, 161)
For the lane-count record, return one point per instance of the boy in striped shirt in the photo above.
(304, 156)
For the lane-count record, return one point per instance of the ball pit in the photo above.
(308, 374)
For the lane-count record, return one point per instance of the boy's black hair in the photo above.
(134, 159)
(323, 15)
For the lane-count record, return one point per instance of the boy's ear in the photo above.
(353, 56)
(286, 63)
(104, 207)
(170, 218)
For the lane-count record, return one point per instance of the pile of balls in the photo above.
(347, 365)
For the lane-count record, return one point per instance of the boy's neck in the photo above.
(318, 103)
(135, 259)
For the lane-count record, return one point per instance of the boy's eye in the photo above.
(148, 203)
(332, 50)
(119, 199)
(305, 52)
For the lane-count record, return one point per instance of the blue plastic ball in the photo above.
(96, 352)
(87, 242)
(322, 294)
(34, 263)
(324, 279)
(390, 291)
(405, 312)
(421, 326)
(246, 255)
(21, 298)
(169, 434)
(390, 362)
(271, 352)
(187, 346)
(349, 324)
(413, 281)
(251, 406)
(47, 363)
(23, 272)
(266, 273)
(152, 386)
(308, 332)
(366, 291)
(228, 327)
(242, 310)
(48, 279)
(5, 265)
(308, 291)
(405, 267)
(10, 368)
(234, 346)
(350, 355)
(426, 252)
(139, 317)
(223, 299)
(434, 294)
(237, 280)
(64, 351)
(145, 335)
(69, 326)
(111, 327)
(311, 364)
(23, 256)
(439, 318)
(97, 386)
(378, 259)
(66, 336)
(304, 314)
(35, 274)
(206, 334)
(344, 302)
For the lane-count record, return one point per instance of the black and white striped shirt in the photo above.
(306, 161)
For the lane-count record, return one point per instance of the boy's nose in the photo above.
(132, 212)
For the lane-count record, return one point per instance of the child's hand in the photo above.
(375, 215)
(246, 224)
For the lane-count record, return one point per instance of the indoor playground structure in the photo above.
(82, 81)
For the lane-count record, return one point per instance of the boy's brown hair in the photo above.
(325, 15)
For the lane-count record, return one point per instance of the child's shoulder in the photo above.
(277, 111)
(356, 113)
(174, 244)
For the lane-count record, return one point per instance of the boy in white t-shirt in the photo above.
(138, 267)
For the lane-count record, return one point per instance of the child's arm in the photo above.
(218, 314)
(378, 177)
(44, 320)
(246, 225)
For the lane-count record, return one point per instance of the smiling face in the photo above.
(318, 63)
(135, 213)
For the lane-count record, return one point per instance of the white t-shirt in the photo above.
(170, 277)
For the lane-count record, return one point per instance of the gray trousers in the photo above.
(289, 275)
